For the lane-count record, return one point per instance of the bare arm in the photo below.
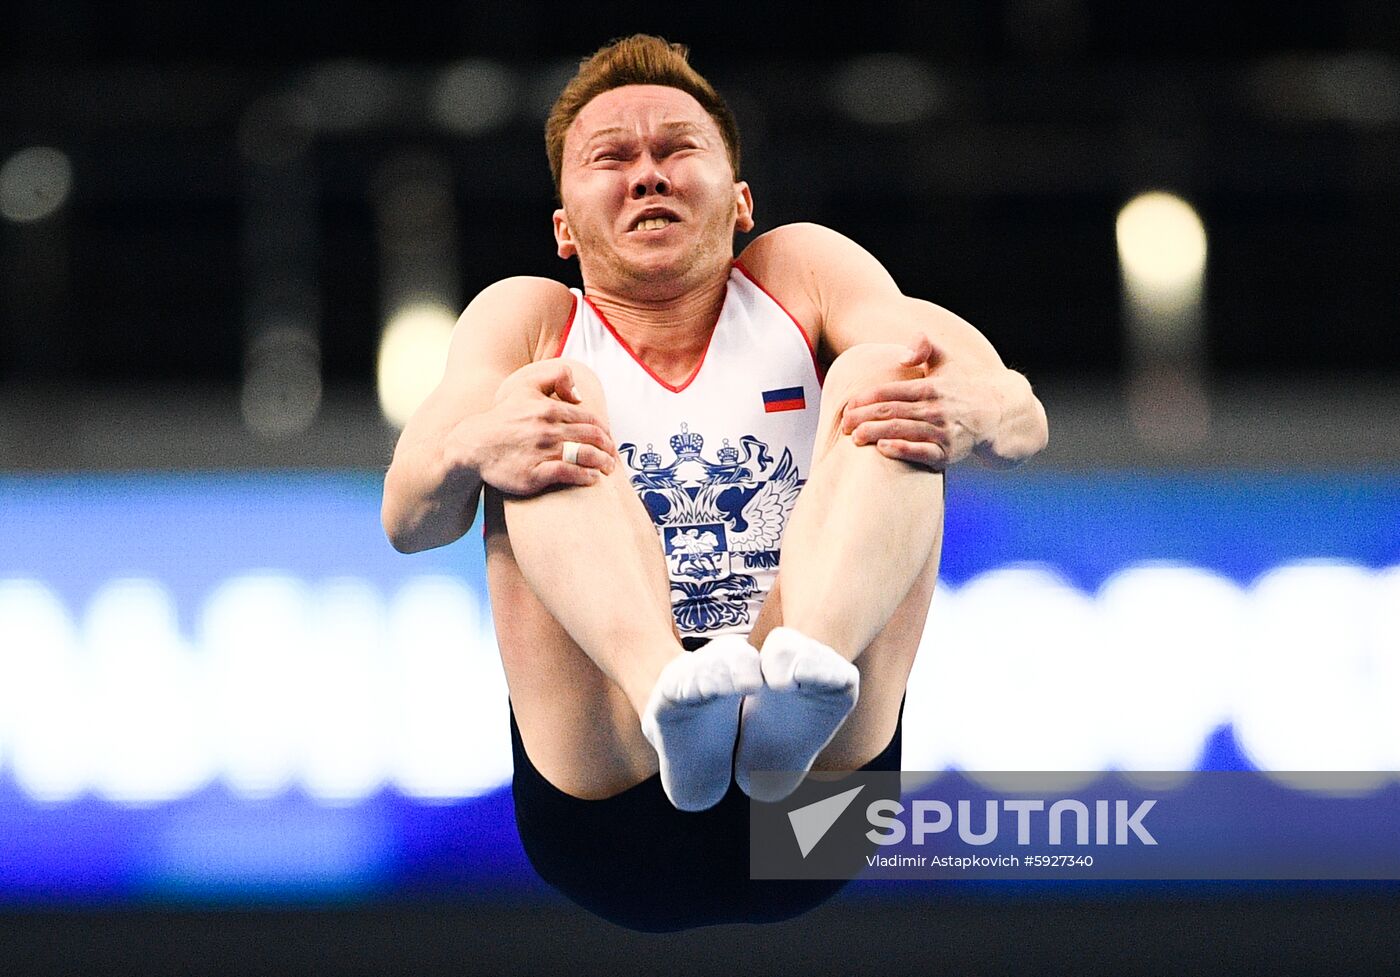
(968, 402)
(497, 417)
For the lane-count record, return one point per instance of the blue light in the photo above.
(179, 541)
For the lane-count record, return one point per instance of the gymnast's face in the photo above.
(649, 195)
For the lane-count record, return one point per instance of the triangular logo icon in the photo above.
(811, 823)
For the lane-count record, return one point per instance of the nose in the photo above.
(650, 180)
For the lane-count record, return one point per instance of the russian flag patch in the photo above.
(786, 398)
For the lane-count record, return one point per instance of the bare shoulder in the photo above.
(777, 261)
(524, 312)
(849, 296)
(801, 240)
(816, 269)
(816, 250)
(500, 332)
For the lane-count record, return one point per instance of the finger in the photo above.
(854, 417)
(554, 377)
(564, 385)
(562, 412)
(920, 453)
(901, 428)
(919, 388)
(920, 349)
(589, 434)
(924, 352)
(592, 457)
(549, 473)
(887, 410)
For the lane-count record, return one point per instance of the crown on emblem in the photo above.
(686, 444)
(728, 455)
(650, 459)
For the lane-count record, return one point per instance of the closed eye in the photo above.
(680, 148)
(610, 156)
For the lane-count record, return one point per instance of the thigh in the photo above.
(577, 726)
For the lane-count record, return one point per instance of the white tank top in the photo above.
(717, 461)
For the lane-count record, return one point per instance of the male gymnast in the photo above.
(713, 498)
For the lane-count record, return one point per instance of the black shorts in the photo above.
(637, 861)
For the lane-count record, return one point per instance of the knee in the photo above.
(859, 370)
(867, 364)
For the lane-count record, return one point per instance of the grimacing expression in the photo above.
(649, 194)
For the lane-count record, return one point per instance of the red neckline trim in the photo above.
(806, 338)
(638, 360)
(568, 325)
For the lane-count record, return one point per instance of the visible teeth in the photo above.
(653, 223)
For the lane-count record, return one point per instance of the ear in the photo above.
(743, 207)
(563, 237)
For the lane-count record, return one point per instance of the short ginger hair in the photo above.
(641, 59)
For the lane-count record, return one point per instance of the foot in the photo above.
(808, 691)
(692, 719)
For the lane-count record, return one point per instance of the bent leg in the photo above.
(860, 557)
(865, 525)
(884, 675)
(577, 727)
(591, 557)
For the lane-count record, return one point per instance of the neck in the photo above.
(668, 329)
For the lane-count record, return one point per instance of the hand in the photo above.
(935, 420)
(518, 445)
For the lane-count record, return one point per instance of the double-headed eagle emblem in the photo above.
(717, 519)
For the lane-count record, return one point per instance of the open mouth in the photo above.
(654, 221)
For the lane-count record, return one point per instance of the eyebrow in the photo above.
(672, 126)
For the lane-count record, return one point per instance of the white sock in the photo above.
(692, 719)
(808, 691)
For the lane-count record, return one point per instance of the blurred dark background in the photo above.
(980, 149)
(210, 212)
